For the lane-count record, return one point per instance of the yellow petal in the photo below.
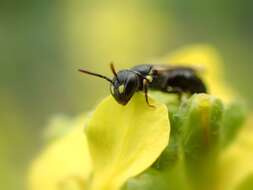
(65, 163)
(207, 59)
(237, 160)
(125, 140)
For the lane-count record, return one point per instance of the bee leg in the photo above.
(177, 91)
(145, 87)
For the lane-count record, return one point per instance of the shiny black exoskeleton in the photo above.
(166, 78)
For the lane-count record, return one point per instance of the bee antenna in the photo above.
(113, 70)
(95, 74)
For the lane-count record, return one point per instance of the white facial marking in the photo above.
(150, 78)
(121, 88)
(112, 89)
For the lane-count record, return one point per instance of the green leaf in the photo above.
(125, 140)
(199, 123)
(149, 180)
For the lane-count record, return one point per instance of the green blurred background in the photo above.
(43, 43)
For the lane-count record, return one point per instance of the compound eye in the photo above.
(121, 88)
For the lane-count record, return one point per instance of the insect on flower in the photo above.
(166, 78)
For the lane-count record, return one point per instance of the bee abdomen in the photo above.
(191, 85)
(183, 80)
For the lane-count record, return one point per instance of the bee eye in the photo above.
(121, 88)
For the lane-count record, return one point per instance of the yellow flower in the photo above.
(123, 141)
(237, 161)
(63, 159)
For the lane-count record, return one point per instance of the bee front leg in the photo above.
(145, 88)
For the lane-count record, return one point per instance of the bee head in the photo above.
(124, 84)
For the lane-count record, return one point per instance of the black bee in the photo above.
(166, 78)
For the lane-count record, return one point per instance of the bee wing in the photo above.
(160, 68)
